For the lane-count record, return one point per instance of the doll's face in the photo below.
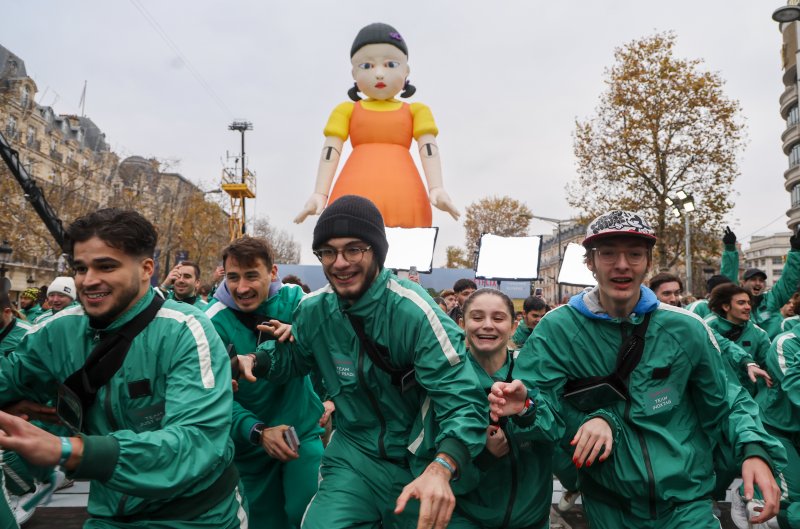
(380, 70)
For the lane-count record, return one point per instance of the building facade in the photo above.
(790, 112)
(768, 253)
(550, 263)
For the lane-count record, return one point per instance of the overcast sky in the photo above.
(505, 81)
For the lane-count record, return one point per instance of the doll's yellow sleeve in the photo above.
(339, 122)
(423, 120)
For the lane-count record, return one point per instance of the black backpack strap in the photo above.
(107, 356)
(403, 379)
(251, 320)
(630, 353)
(734, 333)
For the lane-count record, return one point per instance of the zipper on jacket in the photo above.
(651, 480)
(123, 501)
(362, 380)
(512, 495)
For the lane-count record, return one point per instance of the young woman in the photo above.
(516, 484)
(380, 129)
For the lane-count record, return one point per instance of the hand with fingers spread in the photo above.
(507, 399)
(592, 437)
(496, 441)
(274, 444)
(755, 471)
(436, 499)
(754, 372)
(728, 237)
(37, 446)
(280, 331)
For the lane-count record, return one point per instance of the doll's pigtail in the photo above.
(353, 93)
(408, 89)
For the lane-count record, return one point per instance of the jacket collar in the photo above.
(588, 304)
(363, 306)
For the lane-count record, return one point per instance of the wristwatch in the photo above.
(255, 433)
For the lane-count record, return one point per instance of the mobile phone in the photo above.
(413, 274)
(290, 436)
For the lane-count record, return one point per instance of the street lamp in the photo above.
(786, 14)
(5, 256)
(683, 204)
(558, 223)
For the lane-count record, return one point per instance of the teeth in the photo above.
(344, 278)
(96, 296)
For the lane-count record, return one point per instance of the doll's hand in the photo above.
(439, 198)
(314, 206)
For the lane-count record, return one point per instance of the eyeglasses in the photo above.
(633, 256)
(351, 254)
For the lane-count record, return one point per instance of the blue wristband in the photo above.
(66, 451)
(445, 464)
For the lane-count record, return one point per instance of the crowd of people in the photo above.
(369, 403)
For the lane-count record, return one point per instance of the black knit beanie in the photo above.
(352, 216)
(378, 33)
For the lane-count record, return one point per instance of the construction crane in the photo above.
(239, 188)
(33, 193)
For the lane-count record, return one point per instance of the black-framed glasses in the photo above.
(351, 254)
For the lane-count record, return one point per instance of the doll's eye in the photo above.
(393, 64)
(365, 66)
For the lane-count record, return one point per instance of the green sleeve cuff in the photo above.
(730, 247)
(263, 362)
(100, 455)
(485, 460)
(456, 450)
(610, 418)
(756, 450)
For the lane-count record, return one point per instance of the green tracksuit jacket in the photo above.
(521, 334)
(515, 491)
(447, 411)
(293, 403)
(780, 411)
(11, 336)
(198, 301)
(159, 430)
(47, 314)
(767, 307)
(680, 402)
(753, 340)
(32, 313)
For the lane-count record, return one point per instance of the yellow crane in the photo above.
(239, 187)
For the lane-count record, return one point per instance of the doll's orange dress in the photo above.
(381, 169)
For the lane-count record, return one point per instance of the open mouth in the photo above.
(96, 295)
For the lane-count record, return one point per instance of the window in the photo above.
(11, 126)
(794, 156)
(24, 96)
(777, 273)
(796, 195)
(53, 145)
(777, 260)
(31, 136)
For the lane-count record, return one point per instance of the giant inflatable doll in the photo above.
(380, 129)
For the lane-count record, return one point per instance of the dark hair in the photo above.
(439, 300)
(408, 91)
(204, 290)
(246, 250)
(663, 277)
(193, 265)
(494, 292)
(534, 303)
(723, 294)
(294, 280)
(123, 229)
(463, 284)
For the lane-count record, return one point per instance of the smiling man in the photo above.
(151, 426)
(407, 399)
(279, 481)
(182, 284)
(60, 295)
(642, 390)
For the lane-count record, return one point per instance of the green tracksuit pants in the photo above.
(695, 514)
(279, 494)
(358, 490)
(7, 520)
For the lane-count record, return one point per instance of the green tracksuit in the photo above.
(515, 491)
(659, 473)
(789, 323)
(7, 520)
(521, 334)
(277, 493)
(767, 306)
(46, 315)
(32, 313)
(196, 300)
(381, 431)
(751, 338)
(780, 411)
(729, 268)
(11, 335)
(157, 437)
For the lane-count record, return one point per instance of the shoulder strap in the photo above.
(379, 354)
(251, 320)
(631, 350)
(107, 356)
